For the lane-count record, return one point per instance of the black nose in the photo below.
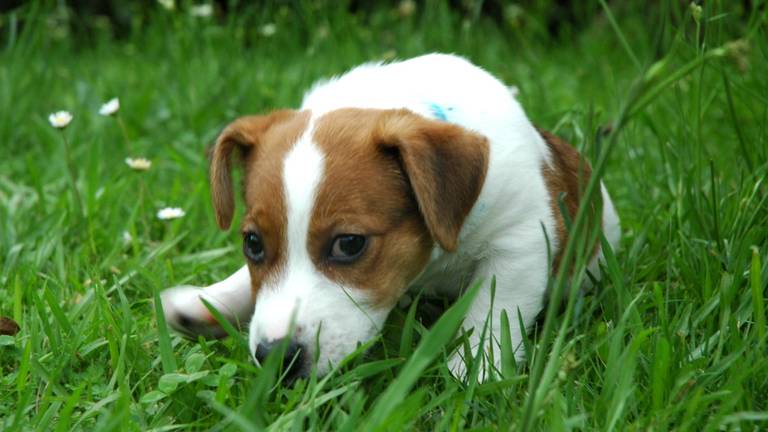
(294, 356)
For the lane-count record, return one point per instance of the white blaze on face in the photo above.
(326, 315)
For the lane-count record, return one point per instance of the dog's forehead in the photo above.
(349, 167)
(359, 177)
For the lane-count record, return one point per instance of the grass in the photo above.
(672, 110)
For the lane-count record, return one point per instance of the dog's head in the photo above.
(342, 212)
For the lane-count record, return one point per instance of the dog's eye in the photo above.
(253, 248)
(347, 247)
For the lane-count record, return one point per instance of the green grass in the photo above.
(674, 337)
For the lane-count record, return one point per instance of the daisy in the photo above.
(167, 4)
(60, 119)
(406, 8)
(268, 29)
(202, 10)
(110, 107)
(138, 164)
(127, 238)
(169, 213)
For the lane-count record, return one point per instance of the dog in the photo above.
(421, 174)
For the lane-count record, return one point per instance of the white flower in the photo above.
(168, 4)
(406, 8)
(268, 30)
(110, 107)
(323, 32)
(169, 213)
(138, 164)
(204, 10)
(60, 119)
(127, 238)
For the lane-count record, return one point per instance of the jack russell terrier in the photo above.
(424, 174)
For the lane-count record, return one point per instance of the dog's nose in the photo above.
(294, 355)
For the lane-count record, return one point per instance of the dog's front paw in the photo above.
(186, 313)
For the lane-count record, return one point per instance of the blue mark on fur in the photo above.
(438, 112)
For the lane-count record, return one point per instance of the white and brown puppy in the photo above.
(423, 173)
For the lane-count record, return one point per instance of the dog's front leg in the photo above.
(520, 286)
(186, 313)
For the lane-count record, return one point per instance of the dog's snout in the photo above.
(294, 356)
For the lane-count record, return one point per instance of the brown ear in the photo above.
(445, 165)
(245, 133)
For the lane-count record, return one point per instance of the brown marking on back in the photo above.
(368, 188)
(567, 176)
(263, 142)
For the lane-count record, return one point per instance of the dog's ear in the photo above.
(445, 165)
(244, 134)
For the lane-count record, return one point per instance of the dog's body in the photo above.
(431, 165)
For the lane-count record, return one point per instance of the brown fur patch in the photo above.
(567, 176)
(263, 142)
(403, 181)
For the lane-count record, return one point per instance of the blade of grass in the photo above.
(17, 301)
(736, 123)
(54, 336)
(226, 325)
(508, 364)
(167, 358)
(644, 94)
(758, 301)
(429, 347)
(716, 211)
(620, 34)
(57, 312)
(406, 340)
(661, 369)
(65, 415)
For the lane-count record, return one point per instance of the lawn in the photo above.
(670, 102)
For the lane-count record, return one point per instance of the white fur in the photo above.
(502, 236)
